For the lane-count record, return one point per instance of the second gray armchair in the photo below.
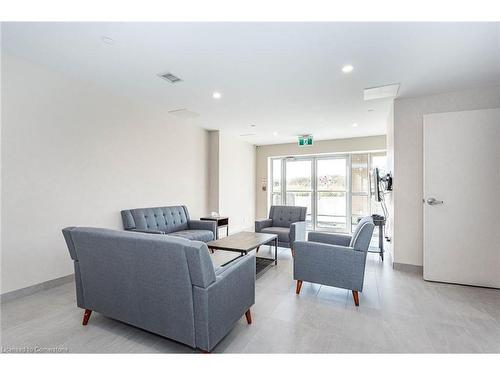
(334, 259)
(288, 222)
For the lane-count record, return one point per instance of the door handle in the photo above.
(433, 201)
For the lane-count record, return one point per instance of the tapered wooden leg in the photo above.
(299, 285)
(257, 249)
(248, 315)
(356, 297)
(86, 316)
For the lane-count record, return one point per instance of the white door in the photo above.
(462, 197)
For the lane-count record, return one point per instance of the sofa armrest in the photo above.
(331, 265)
(329, 238)
(150, 231)
(204, 225)
(218, 307)
(262, 223)
(297, 232)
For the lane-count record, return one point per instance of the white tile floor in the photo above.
(398, 312)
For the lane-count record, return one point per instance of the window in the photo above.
(331, 176)
(359, 188)
(298, 187)
(336, 189)
(276, 182)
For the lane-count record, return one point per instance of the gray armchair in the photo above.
(162, 284)
(173, 220)
(288, 222)
(334, 259)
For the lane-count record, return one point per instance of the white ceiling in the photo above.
(281, 77)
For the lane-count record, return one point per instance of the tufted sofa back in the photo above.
(167, 219)
(284, 216)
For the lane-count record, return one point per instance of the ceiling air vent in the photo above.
(170, 78)
(183, 113)
(381, 92)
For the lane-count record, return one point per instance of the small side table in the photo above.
(221, 222)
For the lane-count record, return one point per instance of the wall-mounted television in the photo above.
(380, 184)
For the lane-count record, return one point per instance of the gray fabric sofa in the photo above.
(334, 259)
(162, 284)
(288, 222)
(173, 220)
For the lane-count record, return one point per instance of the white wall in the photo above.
(213, 172)
(74, 154)
(408, 160)
(236, 182)
(374, 143)
(389, 226)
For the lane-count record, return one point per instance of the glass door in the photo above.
(331, 194)
(298, 185)
(360, 188)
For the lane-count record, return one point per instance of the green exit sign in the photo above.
(305, 140)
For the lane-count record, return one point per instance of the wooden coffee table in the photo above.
(243, 243)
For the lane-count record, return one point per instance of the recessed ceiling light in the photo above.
(355, 125)
(216, 95)
(347, 68)
(107, 40)
(275, 133)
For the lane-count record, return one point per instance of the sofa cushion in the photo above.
(194, 234)
(283, 233)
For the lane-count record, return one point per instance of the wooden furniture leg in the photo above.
(299, 285)
(86, 316)
(356, 297)
(248, 315)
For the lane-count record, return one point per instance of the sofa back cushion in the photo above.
(362, 235)
(141, 279)
(284, 216)
(167, 219)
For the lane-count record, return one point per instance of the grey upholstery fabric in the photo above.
(194, 235)
(221, 305)
(288, 222)
(362, 234)
(201, 268)
(168, 220)
(262, 223)
(284, 216)
(283, 233)
(324, 262)
(150, 281)
(329, 238)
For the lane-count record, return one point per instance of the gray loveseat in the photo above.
(288, 222)
(162, 284)
(172, 220)
(334, 259)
